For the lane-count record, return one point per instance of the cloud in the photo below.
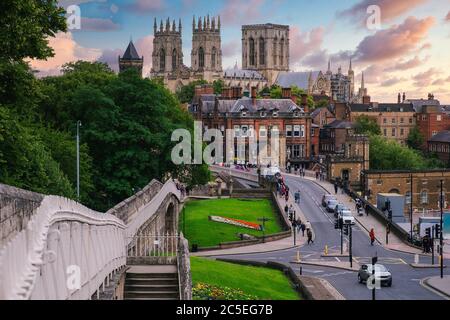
(391, 81)
(97, 24)
(408, 64)
(394, 42)
(373, 74)
(231, 48)
(66, 3)
(425, 78)
(447, 17)
(66, 50)
(111, 58)
(236, 11)
(440, 82)
(389, 9)
(145, 6)
(304, 43)
(144, 46)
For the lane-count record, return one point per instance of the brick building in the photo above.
(439, 144)
(431, 120)
(333, 136)
(247, 115)
(322, 116)
(425, 186)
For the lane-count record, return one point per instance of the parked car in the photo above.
(347, 217)
(339, 207)
(381, 273)
(327, 197)
(331, 204)
(271, 171)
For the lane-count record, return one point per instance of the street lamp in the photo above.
(441, 240)
(78, 159)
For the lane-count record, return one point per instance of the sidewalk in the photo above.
(440, 285)
(281, 244)
(367, 222)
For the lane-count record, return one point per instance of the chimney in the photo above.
(237, 93)
(366, 99)
(399, 98)
(404, 97)
(304, 100)
(286, 93)
(253, 95)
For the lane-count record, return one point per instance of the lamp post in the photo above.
(441, 240)
(411, 206)
(78, 159)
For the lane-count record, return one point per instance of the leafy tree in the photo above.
(323, 103)
(367, 125)
(218, 86)
(415, 138)
(186, 93)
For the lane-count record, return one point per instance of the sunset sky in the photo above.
(410, 52)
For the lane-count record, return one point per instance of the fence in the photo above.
(161, 245)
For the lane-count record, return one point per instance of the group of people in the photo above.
(181, 188)
(297, 224)
(282, 188)
(427, 243)
(320, 175)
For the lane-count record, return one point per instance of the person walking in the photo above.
(286, 209)
(335, 188)
(299, 225)
(303, 227)
(372, 236)
(291, 213)
(309, 235)
(287, 196)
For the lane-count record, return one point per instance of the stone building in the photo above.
(439, 144)
(425, 186)
(322, 117)
(249, 115)
(333, 137)
(131, 59)
(246, 79)
(265, 48)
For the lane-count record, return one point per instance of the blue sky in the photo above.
(408, 51)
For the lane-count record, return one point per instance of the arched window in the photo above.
(275, 44)
(423, 197)
(213, 58)
(162, 60)
(201, 58)
(262, 51)
(251, 46)
(282, 52)
(174, 59)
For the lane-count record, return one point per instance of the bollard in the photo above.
(301, 270)
(416, 258)
(298, 255)
(326, 250)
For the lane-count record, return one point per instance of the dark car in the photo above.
(331, 204)
(381, 273)
(327, 197)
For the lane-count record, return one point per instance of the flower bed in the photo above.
(236, 222)
(204, 291)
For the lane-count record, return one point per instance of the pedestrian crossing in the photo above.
(381, 260)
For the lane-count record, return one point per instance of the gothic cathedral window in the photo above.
(262, 51)
(162, 60)
(252, 52)
(213, 58)
(201, 58)
(282, 52)
(174, 59)
(275, 51)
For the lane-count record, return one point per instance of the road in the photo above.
(406, 279)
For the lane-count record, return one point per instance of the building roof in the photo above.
(242, 73)
(381, 107)
(419, 103)
(442, 136)
(340, 124)
(131, 52)
(299, 79)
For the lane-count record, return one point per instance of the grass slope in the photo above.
(200, 230)
(264, 283)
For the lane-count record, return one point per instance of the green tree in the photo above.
(415, 138)
(218, 86)
(367, 125)
(185, 94)
(323, 103)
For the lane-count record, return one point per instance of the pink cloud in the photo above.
(144, 46)
(395, 41)
(99, 25)
(231, 48)
(391, 81)
(304, 43)
(408, 64)
(447, 17)
(389, 9)
(237, 11)
(146, 6)
(425, 78)
(66, 50)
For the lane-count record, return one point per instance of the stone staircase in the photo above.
(158, 282)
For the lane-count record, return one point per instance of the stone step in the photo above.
(150, 288)
(151, 281)
(151, 294)
(151, 299)
(152, 275)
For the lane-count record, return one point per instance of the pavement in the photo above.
(442, 286)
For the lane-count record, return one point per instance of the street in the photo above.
(406, 279)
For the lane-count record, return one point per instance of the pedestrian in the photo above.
(287, 196)
(309, 235)
(303, 227)
(372, 236)
(294, 225)
(299, 225)
(304, 172)
(291, 212)
(335, 188)
(286, 209)
(365, 209)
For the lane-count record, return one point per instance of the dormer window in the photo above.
(263, 114)
(243, 113)
(275, 113)
(296, 114)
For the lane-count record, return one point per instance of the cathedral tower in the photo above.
(167, 56)
(206, 54)
(351, 76)
(265, 48)
(131, 59)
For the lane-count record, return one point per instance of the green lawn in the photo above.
(261, 283)
(203, 232)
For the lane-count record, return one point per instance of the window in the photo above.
(296, 151)
(262, 131)
(438, 117)
(201, 58)
(275, 114)
(423, 197)
(408, 197)
(262, 51)
(434, 133)
(402, 131)
(385, 132)
(302, 131)
(275, 51)
(410, 120)
(263, 114)
(243, 113)
(251, 45)
(402, 120)
(393, 132)
(162, 60)
(384, 120)
(393, 120)
(244, 130)
(282, 52)
(296, 114)
(213, 58)
(424, 117)
(296, 131)
(288, 131)
(237, 130)
(174, 59)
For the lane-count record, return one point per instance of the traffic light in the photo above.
(336, 224)
(390, 215)
(437, 230)
(346, 229)
(428, 232)
(341, 223)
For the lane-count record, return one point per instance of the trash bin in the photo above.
(194, 247)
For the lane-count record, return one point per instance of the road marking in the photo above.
(381, 260)
(338, 260)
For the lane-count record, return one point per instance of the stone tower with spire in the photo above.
(167, 56)
(206, 54)
(351, 77)
(131, 59)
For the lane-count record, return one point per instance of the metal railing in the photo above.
(159, 245)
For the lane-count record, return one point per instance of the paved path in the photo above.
(442, 286)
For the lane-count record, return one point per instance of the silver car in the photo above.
(382, 274)
(331, 204)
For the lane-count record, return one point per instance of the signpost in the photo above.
(263, 219)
